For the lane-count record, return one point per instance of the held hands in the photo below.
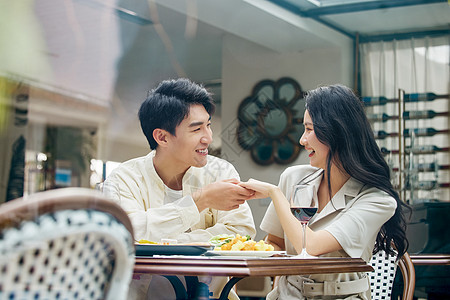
(222, 195)
(261, 189)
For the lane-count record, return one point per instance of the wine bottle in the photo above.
(415, 97)
(422, 114)
(423, 185)
(386, 151)
(424, 200)
(381, 117)
(423, 131)
(427, 167)
(430, 167)
(381, 134)
(426, 149)
(370, 101)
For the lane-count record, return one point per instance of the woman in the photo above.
(357, 204)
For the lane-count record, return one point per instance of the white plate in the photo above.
(247, 253)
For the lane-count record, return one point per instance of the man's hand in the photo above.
(261, 189)
(222, 195)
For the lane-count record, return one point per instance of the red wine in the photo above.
(424, 131)
(303, 214)
(422, 114)
(415, 97)
(369, 101)
(381, 134)
(426, 149)
(381, 117)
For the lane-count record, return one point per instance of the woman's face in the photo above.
(318, 152)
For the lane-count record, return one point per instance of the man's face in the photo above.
(189, 146)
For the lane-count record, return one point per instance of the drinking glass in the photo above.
(303, 203)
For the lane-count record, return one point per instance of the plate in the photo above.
(150, 250)
(247, 253)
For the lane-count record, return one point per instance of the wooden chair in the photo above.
(65, 244)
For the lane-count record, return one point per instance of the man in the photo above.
(178, 191)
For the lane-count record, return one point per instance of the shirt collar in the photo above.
(347, 192)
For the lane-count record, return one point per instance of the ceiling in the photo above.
(373, 19)
(97, 50)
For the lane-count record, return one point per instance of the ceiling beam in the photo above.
(131, 16)
(296, 10)
(316, 13)
(363, 6)
(403, 35)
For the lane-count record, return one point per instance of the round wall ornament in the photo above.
(271, 121)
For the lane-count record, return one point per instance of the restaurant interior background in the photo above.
(73, 74)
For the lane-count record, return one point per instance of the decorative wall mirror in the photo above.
(271, 121)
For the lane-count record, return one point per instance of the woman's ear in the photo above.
(160, 136)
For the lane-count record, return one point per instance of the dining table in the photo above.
(237, 268)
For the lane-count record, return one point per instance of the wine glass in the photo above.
(303, 203)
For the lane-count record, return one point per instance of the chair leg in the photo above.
(227, 288)
(180, 291)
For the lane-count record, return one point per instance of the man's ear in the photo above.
(160, 136)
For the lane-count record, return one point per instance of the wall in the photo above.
(122, 139)
(245, 64)
(121, 144)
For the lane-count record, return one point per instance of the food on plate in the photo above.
(239, 243)
(163, 242)
(142, 241)
(173, 243)
(200, 244)
(219, 240)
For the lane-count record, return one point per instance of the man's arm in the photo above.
(151, 219)
(173, 220)
(141, 194)
(221, 195)
(228, 212)
(237, 221)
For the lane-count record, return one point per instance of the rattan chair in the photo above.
(65, 244)
(409, 276)
(382, 278)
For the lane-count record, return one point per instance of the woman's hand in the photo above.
(261, 189)
(222, 195)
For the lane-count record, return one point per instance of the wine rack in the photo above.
(413, 133)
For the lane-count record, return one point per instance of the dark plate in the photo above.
(149, 250)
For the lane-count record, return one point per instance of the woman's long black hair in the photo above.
(340, 123)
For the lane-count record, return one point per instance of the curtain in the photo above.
(414, 66)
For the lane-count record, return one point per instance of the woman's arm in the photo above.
(276, 242)
(317, 243)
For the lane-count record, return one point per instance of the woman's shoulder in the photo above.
(376, 195)
(299, 170)
(295, 174)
